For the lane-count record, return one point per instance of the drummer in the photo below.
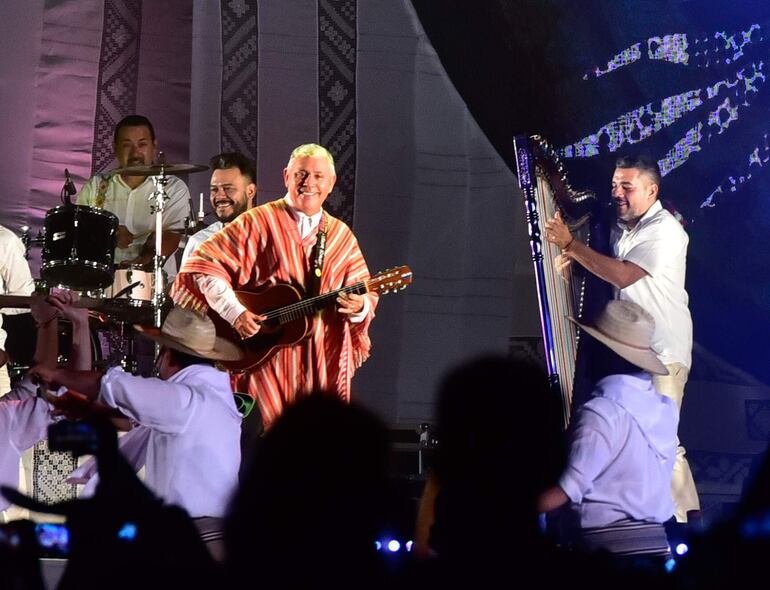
(128, 197)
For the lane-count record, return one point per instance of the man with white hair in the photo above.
(622, 447)
(292, 241)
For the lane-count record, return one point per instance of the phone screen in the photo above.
(53, 538)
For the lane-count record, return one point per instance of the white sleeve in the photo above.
(178, 205)
(23, 390)
(152, 402)
(15, 277)
(591, 449)
(87, 194)
(220, 297)
(30, 419)
(191, 245)
(359, 317)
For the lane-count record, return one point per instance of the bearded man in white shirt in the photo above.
(233, 190)
(647, 266)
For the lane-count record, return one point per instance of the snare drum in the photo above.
(129, 299)
(79, 247)
(132, 285)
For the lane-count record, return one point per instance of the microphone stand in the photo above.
(68, 190)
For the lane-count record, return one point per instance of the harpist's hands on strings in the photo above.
(557, 232)
(562, 265)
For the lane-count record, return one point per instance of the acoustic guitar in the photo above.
(286, 312)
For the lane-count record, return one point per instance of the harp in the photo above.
(546, 190)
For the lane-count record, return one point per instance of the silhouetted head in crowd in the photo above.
(500, 445)
(311, 504)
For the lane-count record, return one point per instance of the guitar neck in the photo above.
(313, 304)
(24, 301)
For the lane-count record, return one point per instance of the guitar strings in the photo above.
(309, 303)
(302, 306)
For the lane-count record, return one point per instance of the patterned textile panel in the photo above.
(118, 74)
(239, 77)
(337, 98)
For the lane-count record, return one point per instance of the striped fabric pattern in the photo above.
(261, 248)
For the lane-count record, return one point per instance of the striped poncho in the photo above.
(263, 247)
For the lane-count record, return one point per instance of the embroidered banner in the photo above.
(118, 74)
(337, 98)
(239, 77)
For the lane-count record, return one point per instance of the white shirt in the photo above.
(24, 420)
(198, 238)
(193, 448)
(658, 245)
(622, 450)
(15, 278)
(133, 208)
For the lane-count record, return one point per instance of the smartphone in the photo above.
(53, 539)
(78, 437)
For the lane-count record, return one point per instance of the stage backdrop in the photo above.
(417, 179)
(424, 156)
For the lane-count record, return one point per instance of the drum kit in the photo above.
(78, 251)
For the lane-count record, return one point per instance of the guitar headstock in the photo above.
(392, 279)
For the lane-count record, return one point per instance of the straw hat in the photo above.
(627, 329)
(193, 333)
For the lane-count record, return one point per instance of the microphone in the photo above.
(69, 188)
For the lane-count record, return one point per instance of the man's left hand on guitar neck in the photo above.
(352, 305)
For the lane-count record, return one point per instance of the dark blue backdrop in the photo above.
(567, 69)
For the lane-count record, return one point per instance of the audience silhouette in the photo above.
(316, 494)
(313, 500)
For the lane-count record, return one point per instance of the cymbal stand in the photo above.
(160, 197)
(158, 296)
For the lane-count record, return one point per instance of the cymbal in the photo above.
(156, 169)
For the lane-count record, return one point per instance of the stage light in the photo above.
(681, 549)
(377, 545)
(394, 546)
(127, 531)
(409, 546)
